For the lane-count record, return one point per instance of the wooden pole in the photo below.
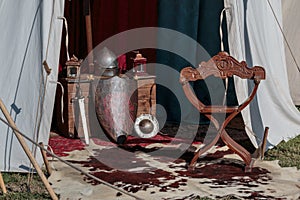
(89, 35)
(47, 165)
(264, 143)
(27, 151)
(2, 185)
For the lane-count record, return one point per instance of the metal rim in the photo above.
(152, 120)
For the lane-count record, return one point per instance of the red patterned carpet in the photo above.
(62, 145)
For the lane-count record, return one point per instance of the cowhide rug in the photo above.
(151, 170)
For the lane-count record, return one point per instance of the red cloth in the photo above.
(108, 17)
(122, 63)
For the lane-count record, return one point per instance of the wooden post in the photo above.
(27, 151)
(2, 185)
(264, 143)
(48, 168)
(89, 35)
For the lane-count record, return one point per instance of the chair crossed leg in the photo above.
(221, 133)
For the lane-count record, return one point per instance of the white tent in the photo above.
(31, 34)
(291, 29)
(255, 35)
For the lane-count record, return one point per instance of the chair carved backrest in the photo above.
(223, 66)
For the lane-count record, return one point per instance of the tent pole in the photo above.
(89, 35)
(47, 165)
(2, 185)
(27, 151)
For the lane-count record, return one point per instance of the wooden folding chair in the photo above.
(222, 66)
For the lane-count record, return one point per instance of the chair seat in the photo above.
(219, 109)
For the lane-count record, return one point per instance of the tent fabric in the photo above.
(183, 17)
(291, 29)
(198, 19)
(31, 35)
(255, 36)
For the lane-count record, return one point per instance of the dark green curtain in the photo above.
(200, 20)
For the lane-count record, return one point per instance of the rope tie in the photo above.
(67, 35)
(61, 100)
(222, 49)
(220, 27)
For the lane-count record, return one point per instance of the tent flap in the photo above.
(255, 36)
(26, 90)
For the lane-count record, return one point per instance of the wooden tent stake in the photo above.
(264, 143)
(27, 151)
(2, 185)
(48, 168)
